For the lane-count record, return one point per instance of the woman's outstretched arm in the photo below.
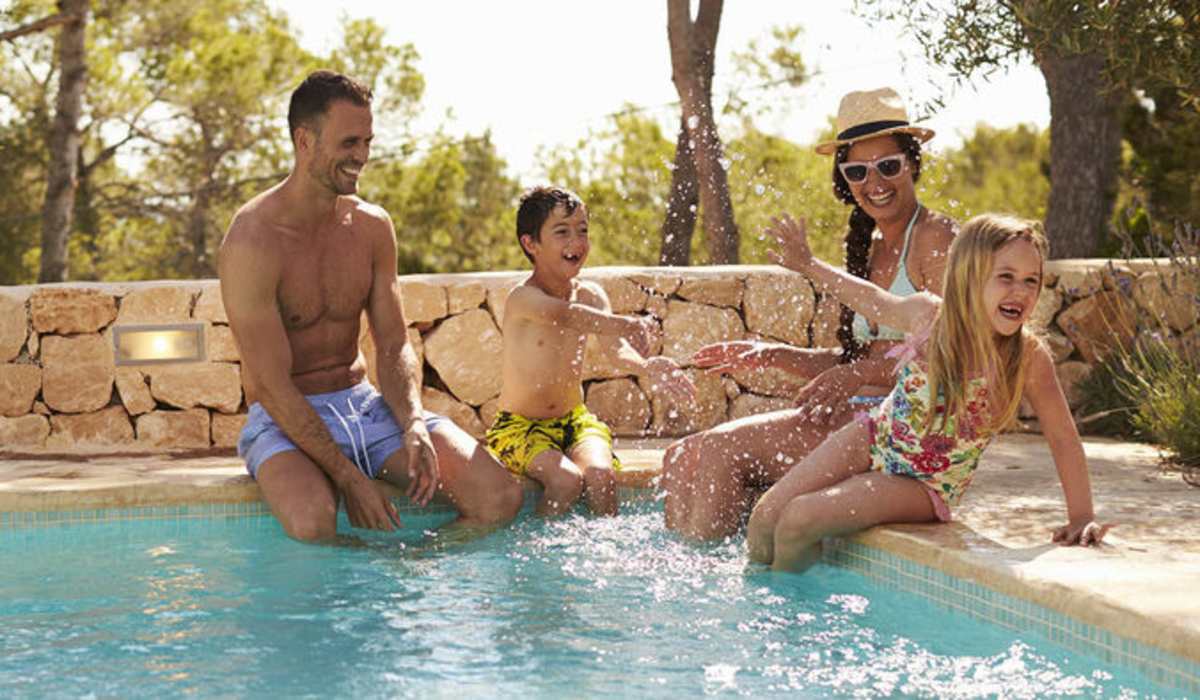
(909, 314)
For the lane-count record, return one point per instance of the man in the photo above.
(298, 266)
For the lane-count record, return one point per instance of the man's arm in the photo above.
(249, 274)
(399, 371)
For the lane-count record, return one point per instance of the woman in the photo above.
(894, 242)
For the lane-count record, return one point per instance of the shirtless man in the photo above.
(543, 430)
(298, 266)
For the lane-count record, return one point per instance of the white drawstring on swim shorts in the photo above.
(366, 470)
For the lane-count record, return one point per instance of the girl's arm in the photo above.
(909, 314)
(1054, 416)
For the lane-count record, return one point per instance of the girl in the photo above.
(911, 458)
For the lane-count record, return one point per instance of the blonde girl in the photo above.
(911, 458)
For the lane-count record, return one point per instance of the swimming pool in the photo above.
(578, 607)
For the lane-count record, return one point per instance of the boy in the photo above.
(543, 430)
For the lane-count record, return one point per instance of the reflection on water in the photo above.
(577, 607)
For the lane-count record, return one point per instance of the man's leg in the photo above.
(472, 480)
(706, 475)
(300, 495)
(594, 457)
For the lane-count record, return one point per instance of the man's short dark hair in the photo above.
(311, 100)
(535, 207)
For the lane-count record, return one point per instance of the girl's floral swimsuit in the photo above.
(945, 460)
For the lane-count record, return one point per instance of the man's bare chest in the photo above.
(326, 282)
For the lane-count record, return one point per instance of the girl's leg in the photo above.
(860, 502)
(594, 456)
(842, 455)
(561, 480)
(706, 475)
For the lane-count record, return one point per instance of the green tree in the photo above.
(1092, 54)
(452, 206)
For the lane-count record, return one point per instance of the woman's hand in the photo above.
(732, 356)
(1084, 532)
(828, 394)
(791, 243)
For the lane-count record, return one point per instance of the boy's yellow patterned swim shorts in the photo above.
(516, 440)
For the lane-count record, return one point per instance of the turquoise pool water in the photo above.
(578, 607)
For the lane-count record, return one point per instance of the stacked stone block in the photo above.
(60, 388)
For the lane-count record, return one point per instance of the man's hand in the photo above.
(367, 507)
(732, 356)
(1083, 531)
(791, 243)
(828, 393)
(422, 460)
(642, 334)
(664, 374)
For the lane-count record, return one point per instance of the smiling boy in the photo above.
(543, 430)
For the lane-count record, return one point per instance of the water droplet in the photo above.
(693, 121)
(759, 189)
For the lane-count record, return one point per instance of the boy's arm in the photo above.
(1054, 417)
(397, 361)
(909, 314)
(535, 305)
(662, 373)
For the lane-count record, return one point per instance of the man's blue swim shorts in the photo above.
(358, 419)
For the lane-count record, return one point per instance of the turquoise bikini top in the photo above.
(902, 286)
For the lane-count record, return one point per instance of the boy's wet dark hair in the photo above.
(312, 98)
(535, 207)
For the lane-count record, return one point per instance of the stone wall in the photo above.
(60, 387)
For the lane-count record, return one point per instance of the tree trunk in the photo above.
(63, 143)
(682, 206)
(197, 227)
(692, 50)
(1085, 150)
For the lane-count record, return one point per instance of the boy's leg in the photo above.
(860, 502)
(706, 475)
(594, 456)
(300, 496)
(483, 491)
(842, 455)
(561, 480)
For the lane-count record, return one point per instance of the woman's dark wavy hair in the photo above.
(858, 236)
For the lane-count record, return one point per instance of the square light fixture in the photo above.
(159, 344)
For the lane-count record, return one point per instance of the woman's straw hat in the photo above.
(863, 115)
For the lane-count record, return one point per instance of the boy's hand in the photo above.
(664, 374)
(791, 243)
(731, 356)
(1083, 532)
(642, 334)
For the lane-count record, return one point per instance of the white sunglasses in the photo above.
(888, 167)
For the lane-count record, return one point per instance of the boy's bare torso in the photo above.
(323, 276)
(543, 363)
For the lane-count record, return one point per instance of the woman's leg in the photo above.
(860, 502)
(706, 475)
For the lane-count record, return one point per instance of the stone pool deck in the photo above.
(1143, 583)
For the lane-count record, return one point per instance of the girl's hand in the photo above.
(732, 356)
(791, 243)
(1083, 532)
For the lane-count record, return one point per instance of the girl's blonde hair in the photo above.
(962, 342)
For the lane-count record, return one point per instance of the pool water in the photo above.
(576, 607)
